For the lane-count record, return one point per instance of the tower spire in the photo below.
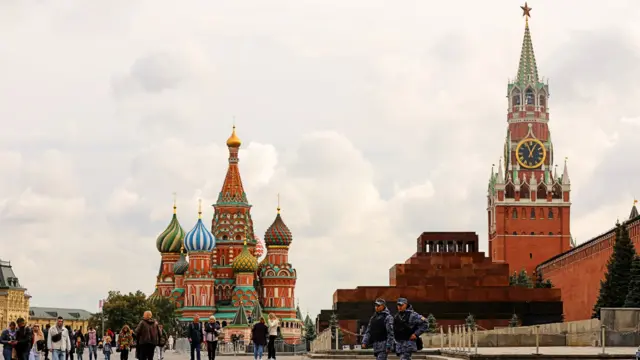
(527, 69)
(199, 208)
(278, 209)
(174, 203)
(565, 173)
(232, 192)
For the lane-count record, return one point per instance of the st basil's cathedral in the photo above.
(217, 272)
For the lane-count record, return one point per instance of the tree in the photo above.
(335, 328)
(470, 322)
(520, 279)
(309, 329)
(541, 283)
(432, 323)
(633, 295)
(514, 322)
(615, 286)
(164, 310)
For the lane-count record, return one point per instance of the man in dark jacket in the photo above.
(379, 333)
(259, 335)
(24, 337)
(146, 337)
(195, 334)
(46, 336)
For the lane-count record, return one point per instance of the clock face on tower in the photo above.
(530, 153)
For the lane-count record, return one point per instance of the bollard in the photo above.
(537, 339)
(458, 337)
(469, 339)
(602, 339)
(449, 335)
(463, 331)
(455, 337)
(441, 338)
(475, 338)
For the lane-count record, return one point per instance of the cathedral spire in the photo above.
(232, 192)
(565, 174)
(527, 69)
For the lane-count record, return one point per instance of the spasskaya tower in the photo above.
(528, 203)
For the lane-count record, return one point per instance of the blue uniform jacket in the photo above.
(380, 346)
(419, 325)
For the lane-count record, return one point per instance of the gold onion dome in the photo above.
(245, 262)
(234, 140)
(171, 239)
(155, 296)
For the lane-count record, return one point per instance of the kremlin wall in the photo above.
(528, 218)
(216, 272)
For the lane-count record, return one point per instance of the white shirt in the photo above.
(273, 327)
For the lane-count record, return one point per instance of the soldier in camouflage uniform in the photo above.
(408, 325)
(379, 333)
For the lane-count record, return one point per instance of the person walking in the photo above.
(259, 337)
(274, 324)
(125, 340)
(79, 348)
(170, 342)
(379, 332)
(24, 340)
(8, 341)
(212, 331)
(146, 337)
(408, 325)
(72, 341)
(107, 349)
(195, 334)
(92, 343)
(162, 341)
(38, 342)
(46, 336)
(58, 342)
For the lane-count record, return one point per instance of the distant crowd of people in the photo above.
(22, 342)
(209, 333)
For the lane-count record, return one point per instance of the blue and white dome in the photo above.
(199, 238)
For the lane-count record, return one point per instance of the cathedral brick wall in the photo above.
(578, 272)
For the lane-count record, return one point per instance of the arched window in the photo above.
(542, 192)
(238, 237)
(514, 213)
(515, 233)
(531, 100)
(550, 233)
(533, 213)
(532, 233)
(550, 213)
(525, 192)
(542, 100)
(222, 260)
(515, 99)
(557, 192)
(524, 213)
(510, 191)
(225, 237)
(541, 213)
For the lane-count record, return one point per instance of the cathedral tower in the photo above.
(278, 277)
(169, 244)
(528, 203)
(199, 278)
(244, 267)
(231, 224)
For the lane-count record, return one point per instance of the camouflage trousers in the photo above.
(405, 356)
(382, 355)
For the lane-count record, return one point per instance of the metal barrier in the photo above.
(241, 347)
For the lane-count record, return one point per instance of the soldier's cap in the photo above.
(402, 301)
(380, 301)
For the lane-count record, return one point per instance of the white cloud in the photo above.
(373, 123)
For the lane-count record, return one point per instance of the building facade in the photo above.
(14, 300)
(217, 272)
(76, 318)
(529, 204)
(578, 272)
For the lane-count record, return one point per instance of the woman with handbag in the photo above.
(39, 343)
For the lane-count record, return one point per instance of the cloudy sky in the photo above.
(375, 120)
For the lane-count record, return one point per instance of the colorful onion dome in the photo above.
(155, 296)
(199, 238)
(278, 234)
(234, 140)
(259, 249)
(245, 262)
(181, 266)
(170, 241)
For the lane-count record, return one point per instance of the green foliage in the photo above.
(615, 286)
(309, 330)
(432, 323)
(95, 321)
(470, 322)
(514, 322)
(120, 309)
(520, 279)
(335, 328)
(541, 283)
(633, 295)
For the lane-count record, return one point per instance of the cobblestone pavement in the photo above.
(555, 350)
(172, 355)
